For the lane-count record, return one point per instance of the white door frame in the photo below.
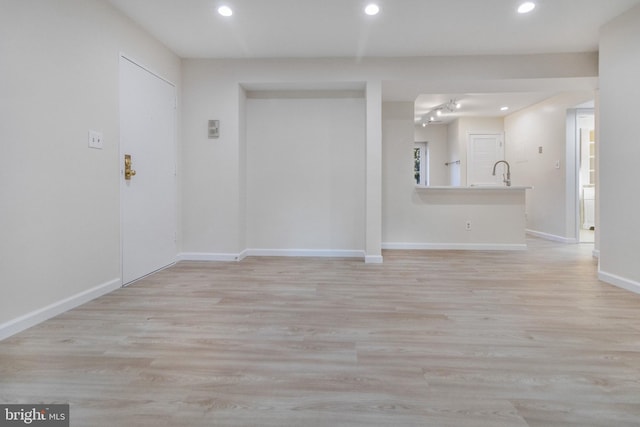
(572, 219)
(125, 57)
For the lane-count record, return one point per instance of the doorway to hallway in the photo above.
(586, 146)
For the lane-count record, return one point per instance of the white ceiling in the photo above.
(339, 28)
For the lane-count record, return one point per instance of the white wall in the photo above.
(398, 214)
(549, 212)
(414, 218)
(213, 193)
(436, 136)
(306, 175)
(214, 223)
(213, 219)
(373, 168)
(60, 220)
(620, 151)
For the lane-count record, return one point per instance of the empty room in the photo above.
(296, 213)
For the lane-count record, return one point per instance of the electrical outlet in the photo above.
(467, 225)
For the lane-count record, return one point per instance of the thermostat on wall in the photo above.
(214, 129)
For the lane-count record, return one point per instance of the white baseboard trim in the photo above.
(202, 256)
(552, 237)
(457, 246)
(323, 253)
(373, 259)
(596, 253)
(618, 281)
(28, 320)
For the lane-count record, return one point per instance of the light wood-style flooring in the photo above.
(429, 338)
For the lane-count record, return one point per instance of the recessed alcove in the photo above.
(305, 169)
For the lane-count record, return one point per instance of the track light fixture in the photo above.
(448, 107)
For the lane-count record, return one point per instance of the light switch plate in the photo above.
(214, 129)
(95, 139)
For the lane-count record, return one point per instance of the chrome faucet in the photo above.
(506, 180)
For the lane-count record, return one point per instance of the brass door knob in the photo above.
(128, 172)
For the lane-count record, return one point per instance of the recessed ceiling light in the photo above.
(505, 108)
(372, 9)
(225, 11)
(526, 7)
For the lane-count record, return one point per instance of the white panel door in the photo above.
(483, 152)
(148, 198)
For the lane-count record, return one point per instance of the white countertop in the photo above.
(475, 187)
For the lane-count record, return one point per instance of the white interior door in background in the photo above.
(148, 198)
(484, 150)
